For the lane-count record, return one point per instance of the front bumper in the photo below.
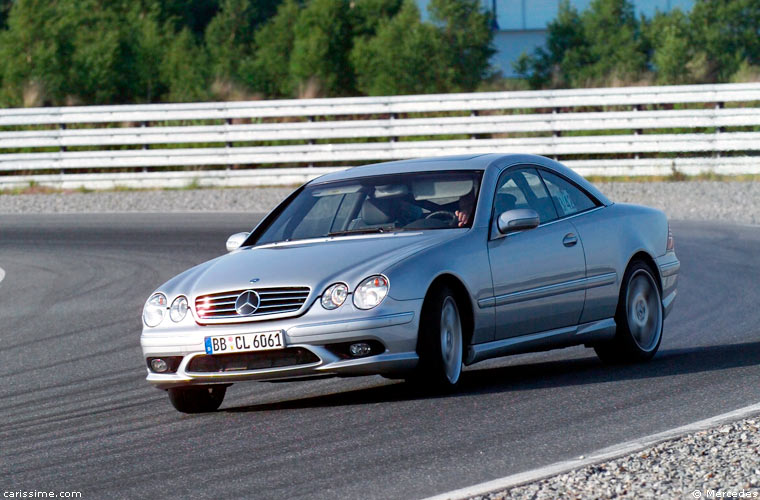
(394, 324)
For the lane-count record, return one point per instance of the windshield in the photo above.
(386, 203)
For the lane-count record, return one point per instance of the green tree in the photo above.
(614, 41)
(184, 69)
(35, 54)
(321, 45)
(269, 70)
(366, 15)
(194, 15)
(79, 51)
(5, 8)
(128, 51)
(149, 41)
(118, 48)
(230, 35)
(602, 45)
(467, 36)
(406, 56)
(668, 38)
(727, 33)
(566, 49)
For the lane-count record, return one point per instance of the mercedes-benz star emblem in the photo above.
(247, 303)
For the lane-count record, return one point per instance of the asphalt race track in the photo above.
(77, 415)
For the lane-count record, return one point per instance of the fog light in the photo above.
(360, 349)
(158, 365)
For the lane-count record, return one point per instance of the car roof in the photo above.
(460, 162)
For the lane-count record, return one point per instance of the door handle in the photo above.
(570, 240)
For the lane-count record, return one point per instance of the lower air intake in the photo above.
(244, 361)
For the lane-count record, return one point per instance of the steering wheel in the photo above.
(443, 215)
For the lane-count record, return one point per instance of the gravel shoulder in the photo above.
(688, 200)
(737, 202)
(254, 200)
(717, 463)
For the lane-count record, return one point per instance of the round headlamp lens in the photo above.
(334, 296)
(371, 292)
(154, 310)
(179, 309)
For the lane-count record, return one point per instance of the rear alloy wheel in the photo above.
(440, 343)
(639, 319)
(197, 399)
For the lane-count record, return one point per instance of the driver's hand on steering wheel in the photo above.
(463, 217)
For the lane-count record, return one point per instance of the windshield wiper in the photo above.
(365, 230)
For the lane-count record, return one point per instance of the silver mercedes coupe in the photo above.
(414, 269)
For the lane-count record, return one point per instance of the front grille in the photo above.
(242, 361)
(271, 301)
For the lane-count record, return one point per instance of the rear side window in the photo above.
(522, 188)
(567, 198)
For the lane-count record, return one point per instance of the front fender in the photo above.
(464, 258)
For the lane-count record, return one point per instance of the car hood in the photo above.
(314, 263)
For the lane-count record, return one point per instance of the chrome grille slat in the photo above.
(221, 305)
(220, 297)
(268, 313)
(297, 305)
(228, 302)
(270, 298)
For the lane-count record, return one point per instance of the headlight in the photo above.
(371, 292)
(334, 296)
(154, 310)
(179, 309)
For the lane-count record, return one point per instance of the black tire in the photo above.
(639, 318)
(440, 342)
(197, 399)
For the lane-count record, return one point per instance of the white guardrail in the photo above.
(647, 131)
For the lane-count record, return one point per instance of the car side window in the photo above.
(568, 199)
(523, 188)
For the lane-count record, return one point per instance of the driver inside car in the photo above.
(404, 211)
(466, 205)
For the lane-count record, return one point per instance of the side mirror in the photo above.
(520, 219)
(237, 239)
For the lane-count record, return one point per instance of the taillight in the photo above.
(671, 241)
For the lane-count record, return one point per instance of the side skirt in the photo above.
(586, 333)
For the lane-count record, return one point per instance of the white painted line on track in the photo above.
(598, 456)
(2, 274)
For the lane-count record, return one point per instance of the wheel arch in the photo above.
(645, 257)
(464, 301)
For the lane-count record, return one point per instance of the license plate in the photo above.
(264, 341)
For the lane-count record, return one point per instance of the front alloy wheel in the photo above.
(440, 341)
(451, 340)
